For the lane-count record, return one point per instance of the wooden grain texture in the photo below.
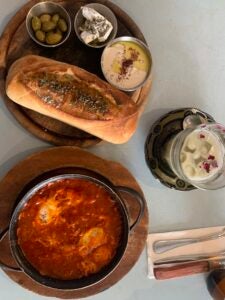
(15, 43)
(180, 270)
(216, 284)
(16, 179)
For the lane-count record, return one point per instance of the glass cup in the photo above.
(197, 155)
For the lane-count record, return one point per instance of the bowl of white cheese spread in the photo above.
(95, 25)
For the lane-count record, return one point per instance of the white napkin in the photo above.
(197, 248)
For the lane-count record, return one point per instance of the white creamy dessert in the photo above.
(125, 64)
(96, 27)
(201, 155)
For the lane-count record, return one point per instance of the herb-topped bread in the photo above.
(73, 96)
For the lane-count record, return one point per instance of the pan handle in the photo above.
(3, 265)
(138, 198)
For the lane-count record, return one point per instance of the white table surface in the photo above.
(187, 42)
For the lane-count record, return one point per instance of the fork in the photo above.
(162, 246)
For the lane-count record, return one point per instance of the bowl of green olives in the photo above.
(48, 24)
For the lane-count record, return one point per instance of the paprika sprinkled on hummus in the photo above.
(125, 64)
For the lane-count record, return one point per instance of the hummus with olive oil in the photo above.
(125, 64)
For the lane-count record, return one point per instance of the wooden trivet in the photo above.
(216, 284)
(15, 43)
(61, 157)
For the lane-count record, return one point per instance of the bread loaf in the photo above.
(73, 96)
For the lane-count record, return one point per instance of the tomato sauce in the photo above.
(69, 229)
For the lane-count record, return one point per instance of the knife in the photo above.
(188, 268)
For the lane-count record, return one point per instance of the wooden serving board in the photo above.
(15, 43)
(61, 157)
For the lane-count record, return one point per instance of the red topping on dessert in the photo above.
(206, 166)
(202, 136)
(211, 157)
(212, 163)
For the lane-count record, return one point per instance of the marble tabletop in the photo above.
(187, 43)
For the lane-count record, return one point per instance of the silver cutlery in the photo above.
(162, 246)
(190, 257)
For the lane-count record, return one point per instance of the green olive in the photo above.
(57, 30)
(40, 35)
(45, 18)
(53, 38)
(62, 25)
(55, 18)
(36, 23)
(48, 26)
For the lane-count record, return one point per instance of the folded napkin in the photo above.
(206, 247)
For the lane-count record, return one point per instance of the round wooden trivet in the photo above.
(15, 43)
(216, 284)
(160, 133)
(61, 157)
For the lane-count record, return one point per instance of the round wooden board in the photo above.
(15, 43)
(15, 181)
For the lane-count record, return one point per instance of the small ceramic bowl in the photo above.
(47, 8)
(144, 49)
(105, 12)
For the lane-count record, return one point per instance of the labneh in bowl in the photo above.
(51, 8)
(65, 237)
(105, 12)
(126, 63)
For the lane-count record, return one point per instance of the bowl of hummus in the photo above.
(126, 63)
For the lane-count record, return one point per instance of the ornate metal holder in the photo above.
(159, 136)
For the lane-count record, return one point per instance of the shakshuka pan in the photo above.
(69, 229)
